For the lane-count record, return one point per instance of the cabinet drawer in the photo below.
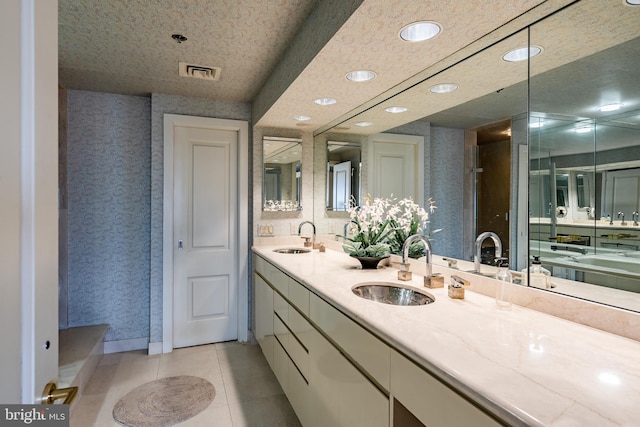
(371, 353)
(298, 394)
(299, 296)
(281, 366)
(296, 345)
(432, 402)
(272, 274)
(281, 332)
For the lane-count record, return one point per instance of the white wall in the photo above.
(10, 206)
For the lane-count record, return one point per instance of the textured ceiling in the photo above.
(488, 87)
(125, 46)
(369, 40)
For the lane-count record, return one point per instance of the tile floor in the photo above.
(247, 392)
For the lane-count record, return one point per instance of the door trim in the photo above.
(242, 127)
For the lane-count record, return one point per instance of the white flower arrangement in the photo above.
(381, 226)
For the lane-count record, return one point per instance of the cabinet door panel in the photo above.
(371, 353)
(339, 394)
(264, 317)
(433, 403)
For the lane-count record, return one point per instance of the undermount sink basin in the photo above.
(292, 251)
(392, 293)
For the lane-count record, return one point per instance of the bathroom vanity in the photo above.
(344, 360)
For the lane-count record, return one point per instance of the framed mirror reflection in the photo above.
(282, 174)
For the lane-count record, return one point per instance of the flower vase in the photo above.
(369, 263)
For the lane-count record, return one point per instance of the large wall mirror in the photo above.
(573, 179)
(585, 151)
(282, 186)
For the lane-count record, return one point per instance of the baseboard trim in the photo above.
(155, 348)
(126, 345)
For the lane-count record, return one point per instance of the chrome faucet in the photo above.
(481, 238)
(427, 245)
(621, 214)
(634, 216)
(314, 231)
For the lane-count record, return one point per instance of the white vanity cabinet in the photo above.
(337, 373)
(282, 332)
(323, 386)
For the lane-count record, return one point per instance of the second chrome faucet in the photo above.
(481, 238)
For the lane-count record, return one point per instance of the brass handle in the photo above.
(52, 393)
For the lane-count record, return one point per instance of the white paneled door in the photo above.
(397, 165)
(341, 186)
(205, 235)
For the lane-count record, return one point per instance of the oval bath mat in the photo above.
(164, 402)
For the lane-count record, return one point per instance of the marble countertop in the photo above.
(527, 367)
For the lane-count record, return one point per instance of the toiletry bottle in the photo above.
(539, 277)
(503, 290)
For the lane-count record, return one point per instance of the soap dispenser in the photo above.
(538, 276)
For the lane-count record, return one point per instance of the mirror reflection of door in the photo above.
(396, 166)
(494, 185)
(343, 175)
(272, 183)
(341, 186)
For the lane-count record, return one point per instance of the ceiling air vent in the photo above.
(199, 71)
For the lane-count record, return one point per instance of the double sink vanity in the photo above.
(344, 360)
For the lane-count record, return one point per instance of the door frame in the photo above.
(242, 127)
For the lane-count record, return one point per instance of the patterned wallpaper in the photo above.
(109, 169)
(115, 206)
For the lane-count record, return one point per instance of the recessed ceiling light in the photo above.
(395, 110)
(610, 107)
(360, 76)
(364, 124)
(520, 54)
(420, 31)
(295, 152)
(301, 118)
(443, 88)
(325, 101)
